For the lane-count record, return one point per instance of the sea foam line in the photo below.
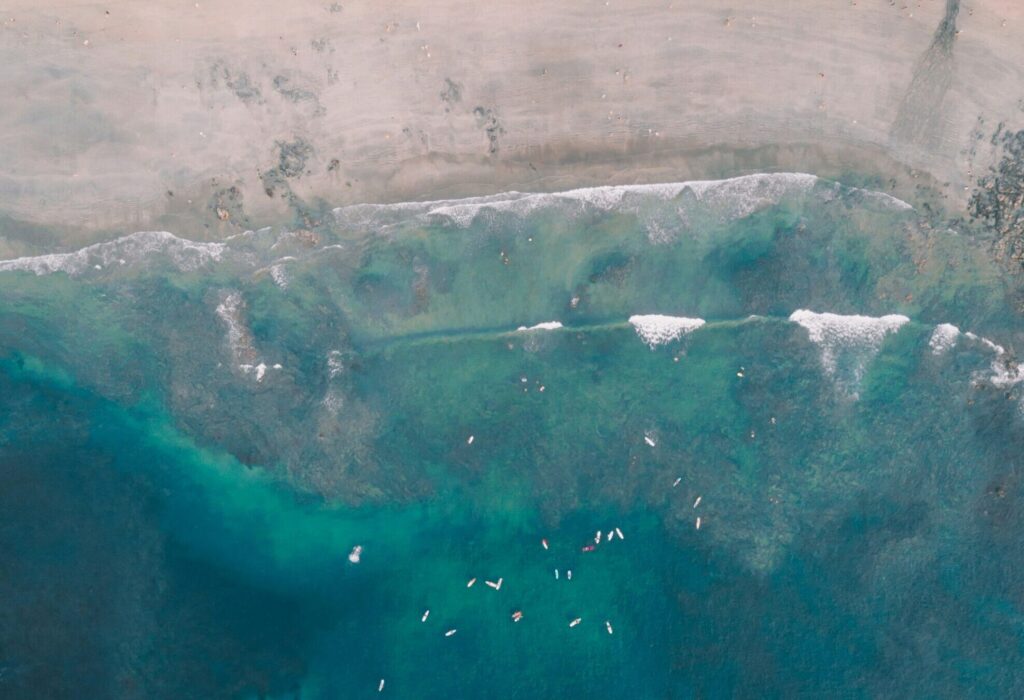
(185, 254)
(738, 196)
(240, 340)
(545, 326)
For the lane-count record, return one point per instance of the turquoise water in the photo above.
(194, 439)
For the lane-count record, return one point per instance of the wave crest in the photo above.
(655, 329)
(732, 198)
(183, 253)
(847, 342)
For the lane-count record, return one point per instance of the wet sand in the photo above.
(206, 118)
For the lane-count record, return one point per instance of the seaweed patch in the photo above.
(487, 120)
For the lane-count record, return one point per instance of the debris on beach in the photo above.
(355, 554)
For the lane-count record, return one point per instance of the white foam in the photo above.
(734, 197)
(997, 349)
(334, 364)
(655, 329)
(1004, 373)
(277, 271)
(546, 326)
(943, 338)
(239, 339)
(741, 195)
(280, 277)
(861, 336)
(259, 370)
(184, 254)
(884, 198)
(332, 402)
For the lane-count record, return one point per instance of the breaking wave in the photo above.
(655, 329)
(732, 198)
(184, 254)
(847, 343)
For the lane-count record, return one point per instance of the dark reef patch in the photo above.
(297, 90)
(238, 82)
(998, 199)
(451, 94)
(292, 159)
(227, 203)
(487, 120)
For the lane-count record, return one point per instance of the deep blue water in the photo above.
(193, 440)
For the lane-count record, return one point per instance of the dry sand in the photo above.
(201, 118)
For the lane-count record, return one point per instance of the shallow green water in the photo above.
(177, 520)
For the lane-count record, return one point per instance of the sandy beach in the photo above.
(207, 118)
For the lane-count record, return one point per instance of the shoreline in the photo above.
(214, 118)
(441, 204)
(849, 165)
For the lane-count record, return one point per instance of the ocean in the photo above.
(761, 437)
